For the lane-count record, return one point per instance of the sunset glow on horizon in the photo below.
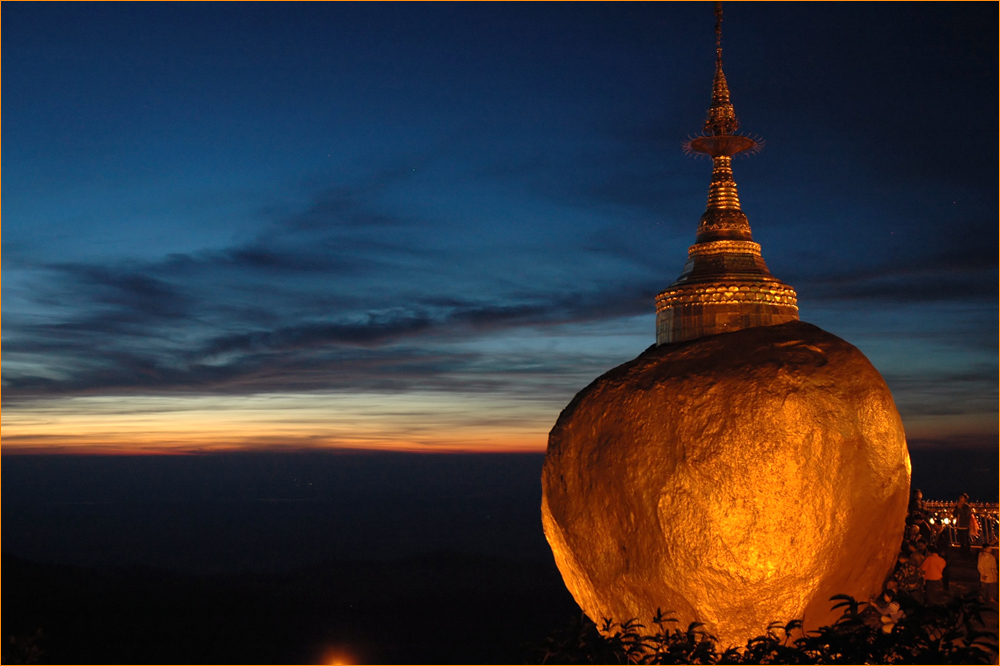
(211, 424)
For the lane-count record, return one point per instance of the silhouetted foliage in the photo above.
(23, 649)
(949, 634)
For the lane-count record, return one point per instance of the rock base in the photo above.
(737, 480)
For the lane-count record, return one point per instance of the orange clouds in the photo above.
(431, 422)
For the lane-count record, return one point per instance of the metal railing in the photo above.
(988, 515)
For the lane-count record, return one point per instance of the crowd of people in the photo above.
(921, 573)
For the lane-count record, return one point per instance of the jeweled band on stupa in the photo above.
(725, 285)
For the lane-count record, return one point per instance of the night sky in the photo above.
(427, 226)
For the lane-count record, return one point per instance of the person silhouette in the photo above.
(987, 565)
(962, 513)
(933, 568)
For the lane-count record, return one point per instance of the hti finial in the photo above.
(719, 133)
(718, 28)
(721, 115)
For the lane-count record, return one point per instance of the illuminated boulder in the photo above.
(735, 479)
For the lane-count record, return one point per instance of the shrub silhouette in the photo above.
(23, 649)
(949, 634)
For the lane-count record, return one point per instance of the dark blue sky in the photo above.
(428, 225)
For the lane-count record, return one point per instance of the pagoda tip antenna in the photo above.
(718, 25)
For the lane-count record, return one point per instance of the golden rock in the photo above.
(736, 479)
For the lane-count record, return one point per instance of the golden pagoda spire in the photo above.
(721, 115)
(725, 285)
(723, 218)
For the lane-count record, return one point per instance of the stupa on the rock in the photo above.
(725, 285)
(742, 474)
